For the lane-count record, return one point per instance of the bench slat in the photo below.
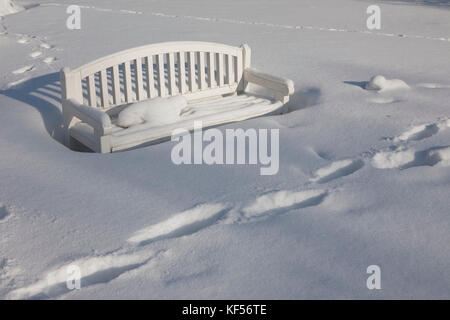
(139, 82)
(150, 77)
(104, 89)
(116, 85)
(127, 82)
(92, 95)
(171, 71)
(211, 74)
(191, 62)
(238, 70)
(229, 77)
(161, 77)
(182, 72)
(220, 71)
(201, 70)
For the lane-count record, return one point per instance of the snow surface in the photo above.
(364, 176)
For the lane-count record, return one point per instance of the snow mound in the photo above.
(380, 83)
(158, 111)
(8, 7)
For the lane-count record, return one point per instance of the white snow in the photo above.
(155, 112)
(393, 159)
(363, 177)
(380, 83)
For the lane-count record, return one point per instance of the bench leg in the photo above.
(104, 145)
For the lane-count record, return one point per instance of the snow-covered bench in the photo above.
(213, 77)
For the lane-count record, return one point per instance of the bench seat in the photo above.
(212, 112)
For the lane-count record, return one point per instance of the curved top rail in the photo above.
(154, 49)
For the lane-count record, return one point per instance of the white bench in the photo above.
(212, 77)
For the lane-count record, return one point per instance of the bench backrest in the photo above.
(194, 69)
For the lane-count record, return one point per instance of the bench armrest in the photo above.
(281, 85)
(98, 119)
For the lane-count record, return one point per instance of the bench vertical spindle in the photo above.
(104, 88)
(171, 69)
(150, 77)
(117, 99)
(139, 82)
(127, 82)
(220, 71)
(201, 70)
(182, 72)
(211, 74)
(229, 77)
(191, 62)
(92, 95)
(161, 75)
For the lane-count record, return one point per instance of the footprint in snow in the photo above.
(383, 100)
(23, 41)
(24, 69)
(280, 202)
(93, 270)
(405, 158)
(418, 133)
(181, 224)
(49, 60)
(16, 83)
(45, 46)
(35, 54)
(336, 170)
(434, 86)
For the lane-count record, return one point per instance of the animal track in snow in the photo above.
(45, 46)
(282, 201)
(408, 158)
(418, 133)
(49, 60)
(23, 69)
(383, 100)
(17, 82)
(35, 54)
(183, 223)
(422, 131)
(23, 40)
(337, 169)
(434, 85)
(94, 270)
